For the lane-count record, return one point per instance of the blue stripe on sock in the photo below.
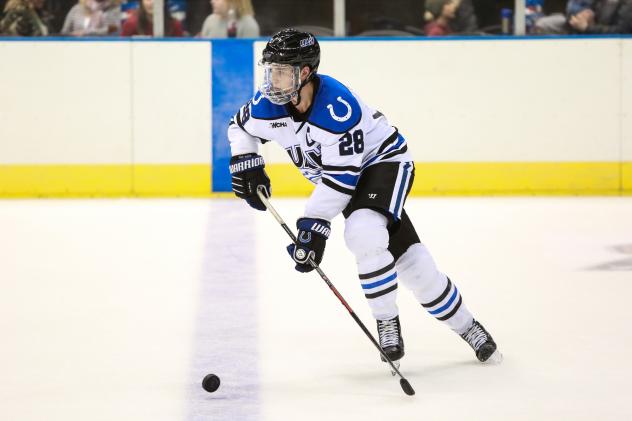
(448, 304)
(380, 282)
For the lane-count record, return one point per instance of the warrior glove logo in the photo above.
(321, 229)
(247, 164)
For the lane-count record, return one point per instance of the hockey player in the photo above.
(361, 167)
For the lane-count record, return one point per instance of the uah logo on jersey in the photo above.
(308, 162)
(277, 124)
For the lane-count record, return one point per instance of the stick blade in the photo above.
(406, 387)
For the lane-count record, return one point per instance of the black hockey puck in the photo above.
(210, 383)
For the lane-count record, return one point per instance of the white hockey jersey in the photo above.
(340, 137)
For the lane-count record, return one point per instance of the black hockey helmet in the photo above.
(290, 46)
(287, 52)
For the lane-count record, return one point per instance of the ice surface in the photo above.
(116, 309)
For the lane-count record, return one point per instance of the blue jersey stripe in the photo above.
(401, 142)
(345, 168)
(326, 181)
(348, 179)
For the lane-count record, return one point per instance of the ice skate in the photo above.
(482, 343)
(390, 334)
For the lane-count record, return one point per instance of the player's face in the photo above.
(149, 6)
(282, 77)
(280, 82)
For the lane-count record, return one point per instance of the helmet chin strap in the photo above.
(301, 86)
(298, 97)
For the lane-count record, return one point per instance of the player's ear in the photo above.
(305, 72)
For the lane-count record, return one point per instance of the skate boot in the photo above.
(390, 334)
(482, 343)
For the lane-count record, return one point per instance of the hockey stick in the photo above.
(406, 387)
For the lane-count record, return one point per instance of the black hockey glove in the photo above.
(310, 242)
(247, 172)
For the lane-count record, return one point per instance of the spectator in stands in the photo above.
(590, 17)
(557, 23)
(141, 21)
(230, 19)
(25, 18)
(465, 21)
(605, 17)
(93, 17)
(440, 14)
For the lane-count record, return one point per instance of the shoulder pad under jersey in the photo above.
(263, 109)
(335, 108)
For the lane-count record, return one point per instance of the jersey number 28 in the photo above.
(350, 144)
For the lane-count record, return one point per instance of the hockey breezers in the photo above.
(406, 387)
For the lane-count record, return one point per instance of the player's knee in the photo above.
(366, 232)
(418, 269)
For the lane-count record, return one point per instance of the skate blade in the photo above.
(393, 372)
(494, 359)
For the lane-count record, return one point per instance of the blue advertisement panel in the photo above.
(232, 82)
